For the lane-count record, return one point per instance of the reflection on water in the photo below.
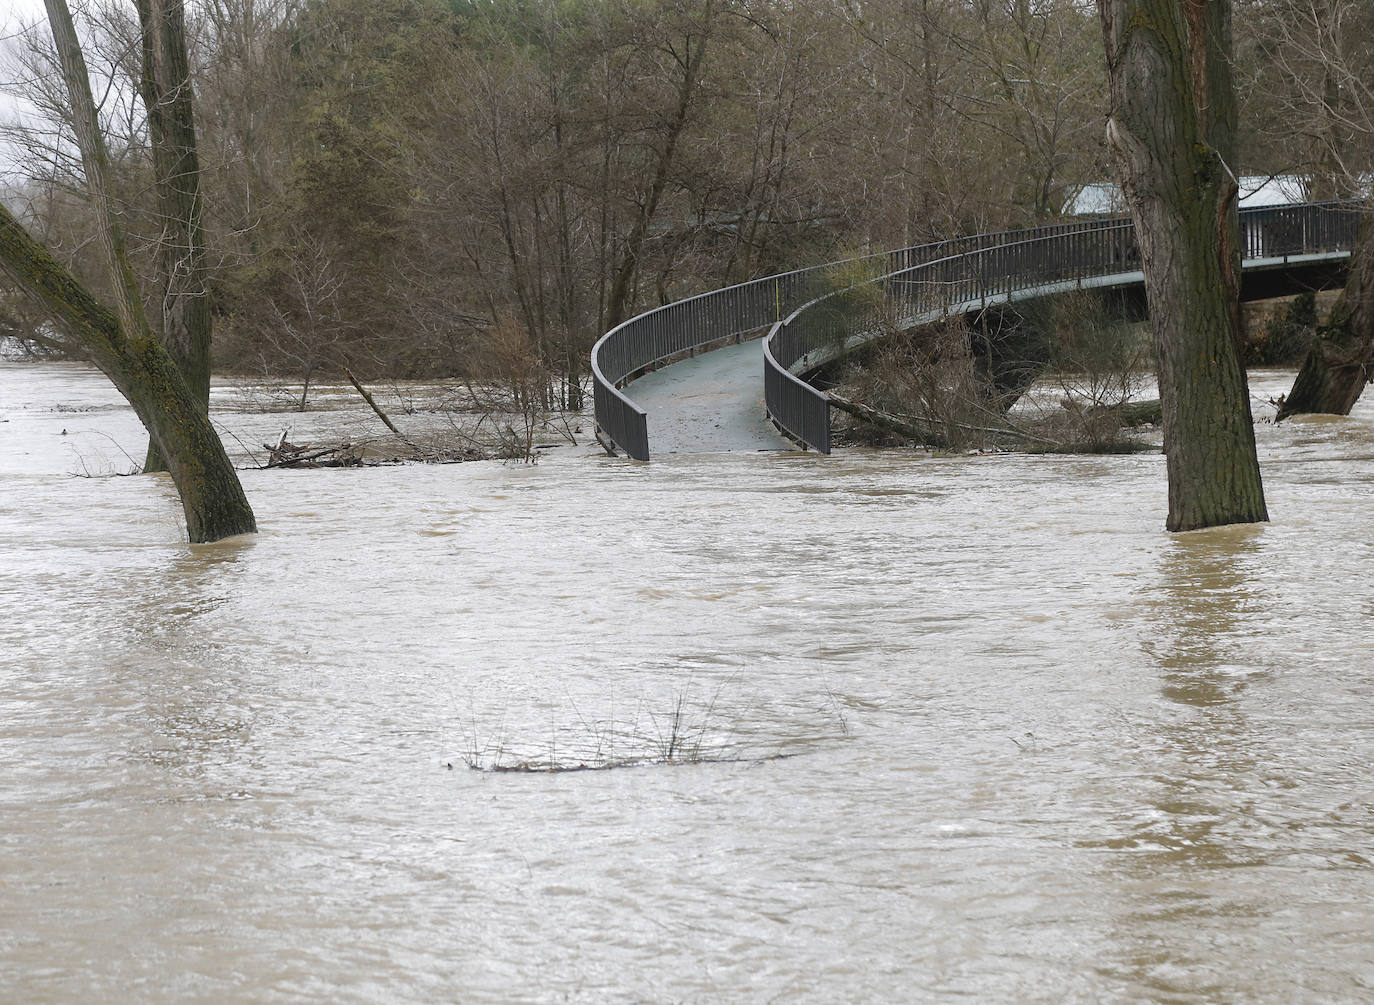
(1038, 749)
(1209, 582)
(1231, 806)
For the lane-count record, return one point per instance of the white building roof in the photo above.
(1103, 198)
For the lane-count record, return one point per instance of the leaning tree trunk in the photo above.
(165, 87)
(1341, 359)
(139, 366)
(1173, 126)
(121, 343)
(94, 162)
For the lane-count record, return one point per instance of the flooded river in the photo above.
(967, 728)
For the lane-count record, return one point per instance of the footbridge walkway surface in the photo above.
(709, 389)
(710, 402)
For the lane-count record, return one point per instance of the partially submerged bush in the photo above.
(693, 722)
(952, 387)
(927, 378)
(1285, 336)
(1100, 363)
(510, 386)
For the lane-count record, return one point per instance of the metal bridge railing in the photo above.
(816, 308)
(631, 348)
(970, 273)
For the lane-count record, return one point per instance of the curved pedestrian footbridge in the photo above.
(706, 382)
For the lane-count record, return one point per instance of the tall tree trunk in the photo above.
(1341, 359)
(1173, 129)
(165, 87)
(122, 343)
(95, 165)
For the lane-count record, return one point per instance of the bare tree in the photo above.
(682, 44)
(121, 342)
(1038, 91)
(1318, 84)
(165, 86)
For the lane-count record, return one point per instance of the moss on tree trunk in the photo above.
(211, 496)
(1173, 126)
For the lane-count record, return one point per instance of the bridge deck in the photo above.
(710, 403)
(713, 402)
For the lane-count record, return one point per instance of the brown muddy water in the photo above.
(1036, 749)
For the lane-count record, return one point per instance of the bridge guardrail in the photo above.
(995, 267)
(685, 326)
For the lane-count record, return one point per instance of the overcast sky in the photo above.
(25, 10)
(13, 15)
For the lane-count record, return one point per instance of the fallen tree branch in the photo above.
(285, 458)
(422, 453)
(923, 433)
(374, 406)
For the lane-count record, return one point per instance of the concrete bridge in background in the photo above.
(710, 384)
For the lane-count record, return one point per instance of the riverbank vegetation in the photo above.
(476, 192)
(401, 188)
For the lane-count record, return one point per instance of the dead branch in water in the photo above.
(374, 406)
(923, 433)
(286, 455)
(421, 452)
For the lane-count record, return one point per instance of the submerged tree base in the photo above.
(1340, 361)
